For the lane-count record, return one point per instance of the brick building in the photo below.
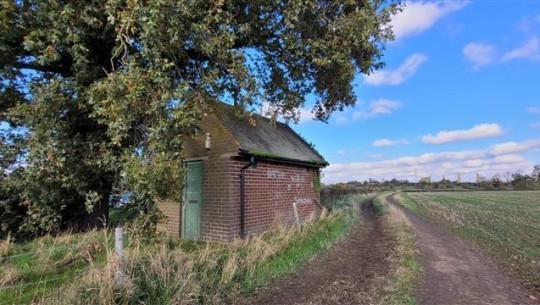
(254, 173)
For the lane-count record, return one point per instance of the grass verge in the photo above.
(406, 267)
(162, 271)
(317, 238)
(39, 267)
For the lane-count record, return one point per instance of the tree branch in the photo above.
(63, 67)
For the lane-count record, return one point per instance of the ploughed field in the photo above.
(506, 225)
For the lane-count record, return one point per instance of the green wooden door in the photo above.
(191, 216)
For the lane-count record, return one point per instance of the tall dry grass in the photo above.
(8, 275)
(188, 273)
(5, 246)
(31, 271)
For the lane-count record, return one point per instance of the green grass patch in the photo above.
(340, 201)
(120, 216)
(406, 267)
(317, 238)
(504, 224)
(380, 207)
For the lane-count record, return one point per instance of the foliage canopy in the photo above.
(95, 94)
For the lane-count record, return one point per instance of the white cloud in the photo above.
(305, 115)
(474, 163)
(342, 119)
(528, 24)
(476, 132)
(383, 143)
(395, 77)
(383, 106)
(508, 159)
(419, 16)
(514, 147)
(535, 125)
(479, 54)
(375, 108)
(530, 50)
(498, 158)
(386, 142)
(343, 152)
(533, 109)
(375, 156)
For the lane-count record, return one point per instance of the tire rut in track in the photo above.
(456, 272)
(351, 272)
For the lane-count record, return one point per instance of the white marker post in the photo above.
(119, 249)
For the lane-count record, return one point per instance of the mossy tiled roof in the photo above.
(258, 136)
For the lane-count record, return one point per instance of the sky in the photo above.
(459, 95)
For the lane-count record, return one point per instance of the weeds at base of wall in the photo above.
(188, 273)
(406, 266)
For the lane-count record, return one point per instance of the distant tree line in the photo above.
(516, 180)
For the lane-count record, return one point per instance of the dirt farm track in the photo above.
(352, 272)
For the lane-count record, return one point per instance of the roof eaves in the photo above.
(278, 158)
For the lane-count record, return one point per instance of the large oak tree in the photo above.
(94, 94)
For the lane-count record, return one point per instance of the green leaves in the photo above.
(106, 90)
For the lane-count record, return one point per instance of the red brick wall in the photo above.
(271, 189)
(173, 217)
(216, 212)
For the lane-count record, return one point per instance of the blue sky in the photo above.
(460, 94)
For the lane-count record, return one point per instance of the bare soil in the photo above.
(456, 272)
(351, 272)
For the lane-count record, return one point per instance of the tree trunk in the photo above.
(97, 219)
